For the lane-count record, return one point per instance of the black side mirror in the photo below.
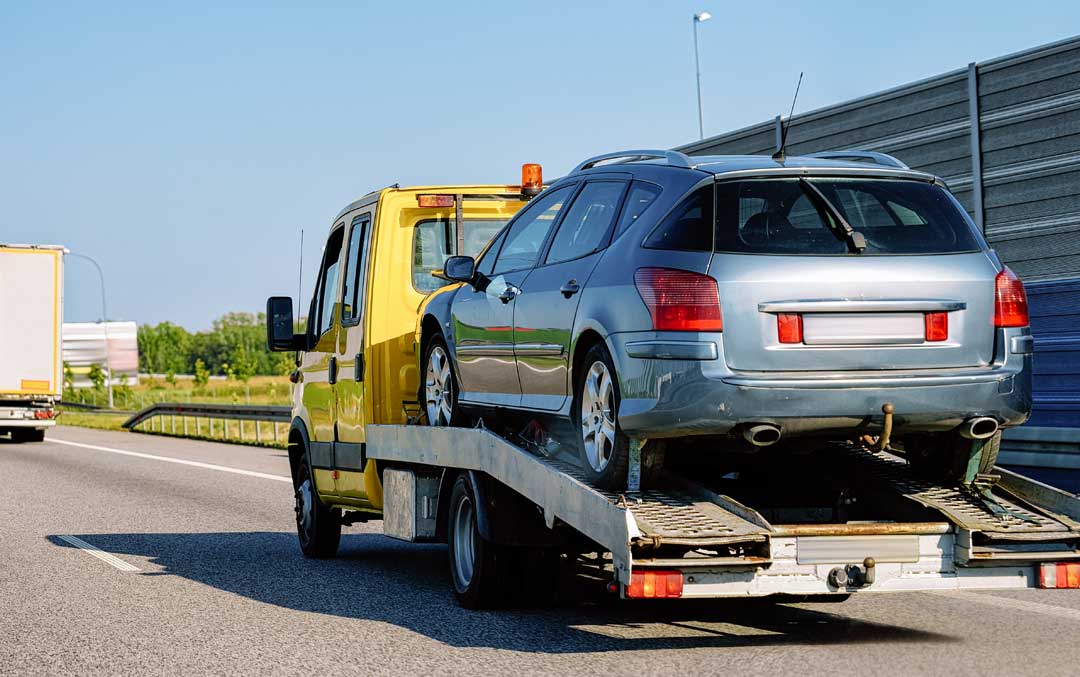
(279, 325)
(459, 269)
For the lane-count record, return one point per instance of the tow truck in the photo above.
(515, 510)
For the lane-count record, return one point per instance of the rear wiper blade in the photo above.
(856, 241)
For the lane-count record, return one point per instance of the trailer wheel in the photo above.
(318, 527)
(480, 571)
(439, 390)
(28, 435)
(602, 445)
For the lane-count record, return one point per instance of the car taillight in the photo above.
(1010, 300)
(789, 327)
(937, 326)
(679, 300)
(1057, 575)
(655, 584)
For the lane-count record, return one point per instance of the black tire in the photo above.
(317, 526)
(480, 571)
(28, 435)
(604, 462)
(445, 390)
(944, 457)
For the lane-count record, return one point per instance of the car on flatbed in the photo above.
(735, 303)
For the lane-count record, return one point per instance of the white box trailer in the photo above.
(31, 367)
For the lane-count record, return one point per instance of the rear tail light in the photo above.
(44, 414)
(655, 585)
(435, 200)
(937, 326)
(1059, 575)
(1010, 300)
(789, 327)
(679, 300)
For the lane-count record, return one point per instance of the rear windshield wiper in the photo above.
(855, 240)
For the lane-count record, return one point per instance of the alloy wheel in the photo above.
(598, 416)
(438, 388)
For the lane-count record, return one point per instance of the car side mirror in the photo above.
(279, 326)
(459, 269)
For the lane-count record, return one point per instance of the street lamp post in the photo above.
(105, 322)
(699, 18)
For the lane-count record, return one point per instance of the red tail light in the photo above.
(1010, 300)
(679, 300)
(937, 326)
(655, 584)
(789, 327)
(1053, 575)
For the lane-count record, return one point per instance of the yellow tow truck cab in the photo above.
(357, 355)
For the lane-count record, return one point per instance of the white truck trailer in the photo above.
(31, 317)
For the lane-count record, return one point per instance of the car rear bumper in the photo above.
(667, 395)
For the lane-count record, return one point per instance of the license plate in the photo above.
(847, 329)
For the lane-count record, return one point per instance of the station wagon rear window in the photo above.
(787, 216)
(434, 241)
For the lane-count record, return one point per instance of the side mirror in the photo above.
(460, 269)
(279, 325)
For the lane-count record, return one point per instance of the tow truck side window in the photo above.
(328, 277)
(434, 240)
(352, 289)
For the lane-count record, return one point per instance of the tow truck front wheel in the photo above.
(318, 526)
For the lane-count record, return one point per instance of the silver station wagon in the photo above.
(736, 303)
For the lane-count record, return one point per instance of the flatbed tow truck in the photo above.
(850, 518)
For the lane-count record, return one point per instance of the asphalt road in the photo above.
(206, 577)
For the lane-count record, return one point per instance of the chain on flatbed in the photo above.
(961, 507)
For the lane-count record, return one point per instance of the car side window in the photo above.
(328, 278)
(689, 227)
(642, 196)
(486, 263)
(352, 288)
(527, 234)
(588, 221)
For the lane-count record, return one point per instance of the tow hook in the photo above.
(882, 442)
(854, 576)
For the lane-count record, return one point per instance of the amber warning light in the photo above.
(435, 200)
(532, 180)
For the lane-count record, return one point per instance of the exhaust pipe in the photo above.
(978, 428)
(762, 434)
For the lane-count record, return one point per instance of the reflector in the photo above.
(937, 326)
(435, 200)
(789, 327)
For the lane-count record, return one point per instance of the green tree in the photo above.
(69, 377)
(202, 374)
(97, 377)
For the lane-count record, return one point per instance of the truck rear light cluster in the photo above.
(789, 327)
(937, 326)
(1059, 575)
(1010, 300)
(44, 414)
(655, 585)
(679, 300)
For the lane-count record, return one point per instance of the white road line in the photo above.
(169, 459)
(99, 553)
(1011, 604)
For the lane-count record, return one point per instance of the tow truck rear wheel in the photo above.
(318, 526)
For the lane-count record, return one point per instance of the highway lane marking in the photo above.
(108, 558)
(180, 461)
(1011, 604)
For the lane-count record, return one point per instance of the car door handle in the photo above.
(331, 375)
(570, 288)
(509, 294)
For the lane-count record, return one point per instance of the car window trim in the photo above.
(320, 290)
(605, 241)
(363, 219)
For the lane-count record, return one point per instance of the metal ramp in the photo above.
(633, 527)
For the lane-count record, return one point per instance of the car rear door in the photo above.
(483, 314)
(545, 309)
(795, 296)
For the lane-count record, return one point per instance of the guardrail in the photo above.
(193, 414)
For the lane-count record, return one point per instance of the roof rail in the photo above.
(671, 157)
(861, 156)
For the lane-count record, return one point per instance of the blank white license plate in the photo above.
(846, 329)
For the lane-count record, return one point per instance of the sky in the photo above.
(185, 145)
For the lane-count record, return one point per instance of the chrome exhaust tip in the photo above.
(978, 428)
(762, 434)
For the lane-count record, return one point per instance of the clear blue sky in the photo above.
(185, 144)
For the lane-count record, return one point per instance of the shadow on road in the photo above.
(377, 578)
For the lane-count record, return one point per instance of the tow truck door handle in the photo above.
(570, 288)
(509, 294)
(331, 375)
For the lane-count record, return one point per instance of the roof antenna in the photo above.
(780, 155)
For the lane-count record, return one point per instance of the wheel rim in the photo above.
(305, 507)
(464, 542)
(598, 416)
(438, 388)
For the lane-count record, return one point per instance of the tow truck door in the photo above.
(319, 364)
(350, 458)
